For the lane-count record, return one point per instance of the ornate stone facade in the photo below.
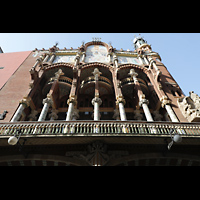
(103, 105)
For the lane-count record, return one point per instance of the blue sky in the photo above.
(179, 51)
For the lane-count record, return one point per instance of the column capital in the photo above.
(96, 100)
(165, 101)
(25, 101)
(120, 99)
(143, 101)
(72, 99)
(48, 101)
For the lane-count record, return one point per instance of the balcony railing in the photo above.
(99, 127)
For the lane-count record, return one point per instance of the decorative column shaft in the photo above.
(83, 58)
(153, 63)
(140, 59)
(71, 102)
(166, 104)
(46, 58)
(25, 102)
(18, 113)
(52, 57)
(47, 103)
(146, 60)
(115, 59)
(144, 103)
(109, 56)
(96, 102)
(121, 102)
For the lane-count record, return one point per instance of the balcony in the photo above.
(100, 128)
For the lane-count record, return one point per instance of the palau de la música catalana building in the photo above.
(95, 106)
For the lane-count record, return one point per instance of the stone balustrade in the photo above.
(100, 127)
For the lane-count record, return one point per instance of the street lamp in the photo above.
(177, 138)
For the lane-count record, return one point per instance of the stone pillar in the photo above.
(84, 55)
(46, 58)
(38, 61)
(25, 102)
(109, 56)
(71, 102)
(166, 103)
(47, 103)
(115, 59)
(144, 103)
(121, 102)
(52, 57)
(146, 60)
(140, 59)
(96, 102)
(153, 63)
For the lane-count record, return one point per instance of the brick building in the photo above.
(95, 105)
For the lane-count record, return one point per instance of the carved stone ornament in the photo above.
(97, 154)
(96, 100)
(165, 101)
(143, 100)
(48, 101)
(72, 99)
(96, 74)
(120, 99)
(190, 107)
(58, 74)
(25, 101)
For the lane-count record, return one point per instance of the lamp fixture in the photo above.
(177, 138)
(13, 140)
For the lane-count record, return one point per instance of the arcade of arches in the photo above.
(94, 91)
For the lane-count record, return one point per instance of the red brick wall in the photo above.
(19, 78)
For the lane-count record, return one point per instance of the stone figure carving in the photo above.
(190, 107)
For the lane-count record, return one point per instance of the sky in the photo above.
(179, 51)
